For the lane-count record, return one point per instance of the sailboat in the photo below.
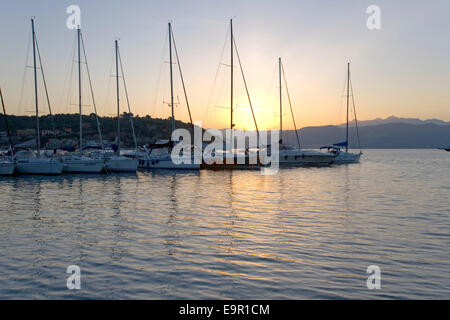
(117, 162)
(290, 156)
(7, 165)
(343, 157)
(236, 159)
(159, 155)
(77, 162)
(29, 162)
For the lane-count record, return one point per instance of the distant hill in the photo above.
(393, 119)
(391, 132)
(385, 135)
(147, 129)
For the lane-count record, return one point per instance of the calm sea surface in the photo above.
(303, 233)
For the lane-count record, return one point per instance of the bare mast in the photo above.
(231, 68)
(118, 98)
(348, 99)
(171, 77)
(38, 138)
(281, 102)
(79, 89)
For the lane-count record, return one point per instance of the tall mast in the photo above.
(348, 99)
(117, 88)
(171, 77)
(281, 104)
(79, 88)
(38, 138)
(231, 68)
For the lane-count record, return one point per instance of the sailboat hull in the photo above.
(7, 168)
(165, 163)
(304, 158)
(39, 166)
(84, 165)
(347, 157)
(121, 164)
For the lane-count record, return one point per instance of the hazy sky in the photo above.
(402, 69)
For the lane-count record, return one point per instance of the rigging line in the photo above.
(217, 73)
(68, 81)
(45, 88)
(161, 66)
(290, 105)
(246, 89)
(92, 92)
(182, 80)
(270, 87)
(25, 73)
(342, 100)
(128, 101)
(106, 91)
(354, 112)
(6, 124)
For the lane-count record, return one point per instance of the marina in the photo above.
(161, 155)
(264, 151)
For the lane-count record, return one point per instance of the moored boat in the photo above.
(159, 155)
(293, 156)
(78, 163)
(7, 164)
(119, 163)
(7, 167)
(346, 157)
(28, 162)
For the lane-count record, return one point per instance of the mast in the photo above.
(79, 88)
(117, 89)
(231, 67)
(171, 77)
(38, 137)
(6, 124)
(281, 104)
(348, 99)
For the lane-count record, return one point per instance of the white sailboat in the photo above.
(344, 157)
(159, 155)
(77, 162)
(117, 162)
(28, 162)
(246, 158)
(290, 156)
(7, 165)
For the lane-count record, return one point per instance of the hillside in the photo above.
(147, 129)
(389, 135)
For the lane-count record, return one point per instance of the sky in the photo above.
(402, 69)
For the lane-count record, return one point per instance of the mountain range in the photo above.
(393, 119)
(391, 132)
